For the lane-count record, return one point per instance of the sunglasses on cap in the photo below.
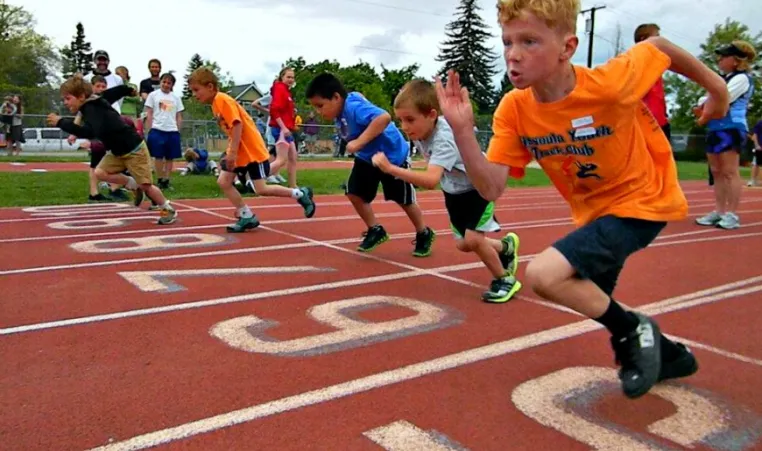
(730, 50)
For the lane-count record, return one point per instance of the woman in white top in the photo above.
(164, 119)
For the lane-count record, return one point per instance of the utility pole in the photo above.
(590, 30)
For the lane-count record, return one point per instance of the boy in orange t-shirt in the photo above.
(603, 150)
(246, 152)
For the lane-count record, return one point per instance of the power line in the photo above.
(590, 30)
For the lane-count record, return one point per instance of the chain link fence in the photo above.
(206, 134)
(40, 138)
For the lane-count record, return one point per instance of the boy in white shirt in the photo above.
(164, 119)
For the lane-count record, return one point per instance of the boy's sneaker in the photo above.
(273, 180)
(373, 237)
(137, 197)
(712, 219)
(423, 242)
(683, 365)
(306, 202)
(168, 216)
(639, 355)
(98, 198)
(119, 195)
(502, 290)
(729, 221)
(509, 258)
(244, 224)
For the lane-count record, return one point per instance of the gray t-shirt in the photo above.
(440, 150)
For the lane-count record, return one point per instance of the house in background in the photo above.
(245, 95)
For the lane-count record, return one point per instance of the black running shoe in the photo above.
(373, 237)
(307, 202)
(423, 242)
(639, 355)
(683, 365)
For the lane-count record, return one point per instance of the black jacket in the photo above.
(102, 122)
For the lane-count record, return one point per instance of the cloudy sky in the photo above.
(252, 38)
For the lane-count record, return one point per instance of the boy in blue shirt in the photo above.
(198, 163)
(368, 129)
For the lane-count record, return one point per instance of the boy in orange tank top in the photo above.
(605, 153)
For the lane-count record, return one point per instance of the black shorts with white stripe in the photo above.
(364, 179)
(256, 171)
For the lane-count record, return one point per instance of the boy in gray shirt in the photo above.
(471, 216)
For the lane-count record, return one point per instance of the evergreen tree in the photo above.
(195, 62)
(466, 52)
(78, 55)
(505, 86)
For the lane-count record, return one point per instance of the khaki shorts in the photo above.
(137, 162)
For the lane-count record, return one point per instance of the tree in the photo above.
(505, 86)
(195, 62)
(394, 79)
(685, 93)
(77, 56)
(465, 51)
(28, 58)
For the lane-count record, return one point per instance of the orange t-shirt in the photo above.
(600, 145)
(228, 112)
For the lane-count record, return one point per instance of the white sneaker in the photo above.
(281, 179)
(711, 219)
(729, 221)
(273, 180)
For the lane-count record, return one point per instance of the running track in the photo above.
(119, 334)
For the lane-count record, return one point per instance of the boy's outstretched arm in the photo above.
(375, 128)
(428, 179)
(684, 63)
(488, 178)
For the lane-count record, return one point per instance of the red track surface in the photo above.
(84, 166)
(96, 352)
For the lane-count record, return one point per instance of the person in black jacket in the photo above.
(96, 119)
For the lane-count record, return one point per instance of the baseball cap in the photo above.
(101, 54)
(731, 50)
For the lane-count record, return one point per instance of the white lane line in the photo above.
(383, 379)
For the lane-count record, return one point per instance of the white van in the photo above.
(48, 140)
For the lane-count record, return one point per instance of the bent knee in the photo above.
(473, 239)
(547, 270)
(462, 245)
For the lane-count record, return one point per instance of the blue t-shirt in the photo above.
(358, 113)
(203, 157)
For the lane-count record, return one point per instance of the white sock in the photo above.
(245, 212)
(166, 205)
(296, 193)
(131, 184)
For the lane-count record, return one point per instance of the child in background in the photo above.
(471, 216)
(164, 119)
(130, 104)
(246, 153)
(198, 163)
(368, 130)
(654, 99)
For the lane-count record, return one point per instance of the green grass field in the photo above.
(58, 188)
